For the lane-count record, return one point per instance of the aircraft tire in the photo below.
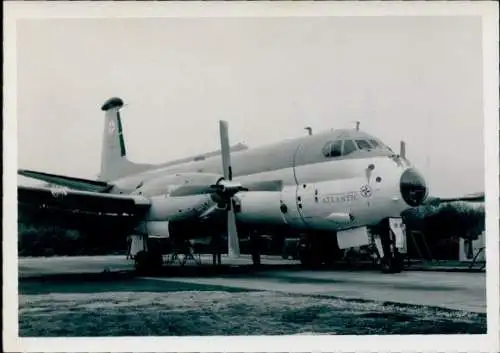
(392, 264)
(304, 254)
(307, 256)
(147, 262)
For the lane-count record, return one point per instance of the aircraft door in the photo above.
(308, 204)
(290, 200)
(310, 194)
(316, 210)
(290, 207)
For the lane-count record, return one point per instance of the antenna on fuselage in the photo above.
(402, 149)
(309, 130)
(357, 125)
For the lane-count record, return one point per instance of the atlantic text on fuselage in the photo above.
(343, 197)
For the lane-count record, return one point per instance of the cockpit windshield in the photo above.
(349, 147)
(379, 144)
(363, 145)
(333, 149)
(346, 146)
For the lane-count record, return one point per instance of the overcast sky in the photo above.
(413, 78)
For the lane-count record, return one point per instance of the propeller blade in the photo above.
(225, 152)
(208, 212)
(233, 243)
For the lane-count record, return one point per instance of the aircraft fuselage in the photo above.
(320, 191)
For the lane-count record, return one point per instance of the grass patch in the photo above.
(122, 285)
(181, 311)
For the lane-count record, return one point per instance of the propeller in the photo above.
(228, 187)
(224, 189)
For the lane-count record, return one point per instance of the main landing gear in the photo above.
(147, 262)
(318, 249)
(386, 240)
(147, 259)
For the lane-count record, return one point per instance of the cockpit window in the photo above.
(363, 145)
(374, 143)
(337, 149)
(333, 149)
(327, 149)
(348, 147)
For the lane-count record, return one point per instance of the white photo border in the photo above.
(487, 10)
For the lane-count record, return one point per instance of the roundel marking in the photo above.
(366, 191)
(111, 127)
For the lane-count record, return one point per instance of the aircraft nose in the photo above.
(413, 187)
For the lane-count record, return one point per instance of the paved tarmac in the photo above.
(462, 291)
(39, 266)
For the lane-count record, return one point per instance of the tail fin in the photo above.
(114, 162)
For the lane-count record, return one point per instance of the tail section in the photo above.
(114, 162)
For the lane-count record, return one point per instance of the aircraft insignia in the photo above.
(366, 191)
(111, 127)
(58, 192)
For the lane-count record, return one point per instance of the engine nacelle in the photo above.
(166, 208)
(164, 185)
(260, 207)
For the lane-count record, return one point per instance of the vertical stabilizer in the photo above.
(114, 162)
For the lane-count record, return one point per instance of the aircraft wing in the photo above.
(476, 197)
(71, 182)
(59, 199)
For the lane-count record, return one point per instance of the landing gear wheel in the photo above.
(147, 262)
(398, 262)
(390, 259)
(304, 253)
(393, 263)
(308, 258)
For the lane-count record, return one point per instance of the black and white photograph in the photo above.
(305, 173)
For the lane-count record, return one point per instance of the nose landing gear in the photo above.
(390, 258)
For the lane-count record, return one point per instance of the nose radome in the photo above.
(413, 187)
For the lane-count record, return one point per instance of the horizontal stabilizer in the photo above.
(70, 182)
(65, 200)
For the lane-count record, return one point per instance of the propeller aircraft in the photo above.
(337, 189)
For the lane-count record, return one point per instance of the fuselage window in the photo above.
(363, 145)
(348, 147)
